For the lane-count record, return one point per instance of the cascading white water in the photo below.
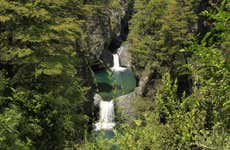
(116, 61)
(106, 116)
(116, 64)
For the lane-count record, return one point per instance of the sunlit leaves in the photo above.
(164, 33)
(3, 19)
(9, 134)
(11, 53)
(38, 44)
(49, 69)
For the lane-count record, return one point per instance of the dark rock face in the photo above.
(105, 31)
(98, 32)
(107, 58)
(149, 83)
(121, 25)
(104, 87)
(102, 28)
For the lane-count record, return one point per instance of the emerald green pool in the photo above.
(116, 83)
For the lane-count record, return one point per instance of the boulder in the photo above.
(97, 98)
(125, 56)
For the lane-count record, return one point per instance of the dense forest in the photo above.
(180, 55)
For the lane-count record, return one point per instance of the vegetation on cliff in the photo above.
(44, 72)
(46, 81)
(186, 44)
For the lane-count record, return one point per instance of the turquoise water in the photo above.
(114, 84)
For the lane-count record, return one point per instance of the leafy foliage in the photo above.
(42, 98)
(43, 95)
(181, 39)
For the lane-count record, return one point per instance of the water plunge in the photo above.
(106, 116)
(123, 81)
(116, 64)
(115, 82)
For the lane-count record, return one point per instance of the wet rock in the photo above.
(105, 87)
(97, 98)
(107, 58)
(125, 56)
(124, 105)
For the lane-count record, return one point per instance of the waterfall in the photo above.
(121, 75)
(106, 116)
(116, 63)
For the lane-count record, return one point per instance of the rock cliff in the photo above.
(105, 29)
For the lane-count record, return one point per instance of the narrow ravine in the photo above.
(122, 81)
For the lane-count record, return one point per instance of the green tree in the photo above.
(38, 51)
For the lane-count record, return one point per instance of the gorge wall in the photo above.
(105, 29)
